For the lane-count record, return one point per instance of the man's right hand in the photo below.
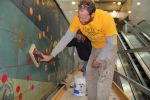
(47, 58)
(95, 64)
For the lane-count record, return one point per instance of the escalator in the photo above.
(135, 65)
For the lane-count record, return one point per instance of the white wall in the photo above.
(140, 12)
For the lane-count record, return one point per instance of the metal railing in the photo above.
(138, 29)
(138, 85)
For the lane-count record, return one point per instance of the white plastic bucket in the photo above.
(80, 86)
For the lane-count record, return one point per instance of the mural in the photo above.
(22, 23)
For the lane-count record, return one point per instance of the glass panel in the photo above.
(145, 26)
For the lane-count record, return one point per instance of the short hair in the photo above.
(88, 5)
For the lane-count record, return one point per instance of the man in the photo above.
(83, 46)
(99, 27)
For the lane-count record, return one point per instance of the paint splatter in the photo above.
(17, 89)
(20, 96)
(33, 86)
(4, 78)
(29, 60)
(27, 77)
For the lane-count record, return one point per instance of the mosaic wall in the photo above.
(23, 22)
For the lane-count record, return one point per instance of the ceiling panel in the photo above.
(109, 0)
(108, 6)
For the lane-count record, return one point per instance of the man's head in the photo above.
(86, 11)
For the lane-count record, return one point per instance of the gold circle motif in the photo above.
(47, 29)
(37, 2)
(31, 11)
(39, 35)
(43, 2)
(39, 17)
(43, 34)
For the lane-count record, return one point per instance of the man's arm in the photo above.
(60, 46)
(63, 42)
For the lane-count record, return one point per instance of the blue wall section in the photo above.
(17, 32)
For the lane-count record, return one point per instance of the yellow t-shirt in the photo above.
(101, 26)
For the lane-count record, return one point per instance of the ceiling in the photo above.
(110, 5)
(70, 7)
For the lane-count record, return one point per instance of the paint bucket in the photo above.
(80, 86)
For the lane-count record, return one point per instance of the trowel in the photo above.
(35, 55)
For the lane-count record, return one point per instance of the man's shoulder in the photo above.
(75, 19)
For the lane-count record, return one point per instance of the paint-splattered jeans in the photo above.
(99, 80)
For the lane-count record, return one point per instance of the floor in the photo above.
(69, 95)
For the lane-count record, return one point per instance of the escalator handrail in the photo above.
(142, 49)
(142, 63)
(141, 30)
(143, 21)
(136, 69)
(138, 85)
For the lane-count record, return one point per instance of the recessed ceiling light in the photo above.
(119, 3)
(129, 11)
(73, 2)
(138, 3)
(114, 11)
(114, 2)
(114, 14)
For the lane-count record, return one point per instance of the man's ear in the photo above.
(92, 15)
